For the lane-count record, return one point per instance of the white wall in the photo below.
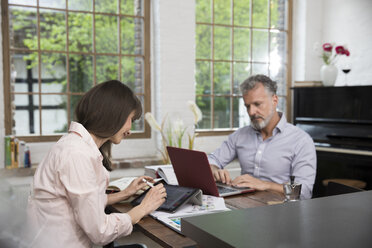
(173, 55)
(343, 22)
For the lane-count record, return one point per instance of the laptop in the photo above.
(192, 169)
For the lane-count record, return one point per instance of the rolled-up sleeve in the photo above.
(87, 199)
(225, 153)
(304, 165)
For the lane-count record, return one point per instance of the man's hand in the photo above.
(247, 180)
(220, 175)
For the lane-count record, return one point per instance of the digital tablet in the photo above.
(176, 197)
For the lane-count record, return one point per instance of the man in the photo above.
(270, 150)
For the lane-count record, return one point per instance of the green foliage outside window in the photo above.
(235, 39)
(75, 51)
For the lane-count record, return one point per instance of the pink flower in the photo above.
(327, 47)
(329, 56)
(340, 50)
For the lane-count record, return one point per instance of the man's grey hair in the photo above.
(252, 82)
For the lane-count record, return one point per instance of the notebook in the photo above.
(193, 170)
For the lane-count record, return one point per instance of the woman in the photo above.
(68, 201)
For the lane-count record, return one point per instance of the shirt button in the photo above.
(259, 152)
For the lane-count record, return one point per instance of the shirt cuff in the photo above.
(215, 162)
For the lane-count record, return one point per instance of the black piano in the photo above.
(339, 119)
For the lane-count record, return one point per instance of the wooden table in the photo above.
(169, 238)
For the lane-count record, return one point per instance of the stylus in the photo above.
(148, 183)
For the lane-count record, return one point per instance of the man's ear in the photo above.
(275, 100)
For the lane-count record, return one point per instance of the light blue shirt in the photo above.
(289, 151)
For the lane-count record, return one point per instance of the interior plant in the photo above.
(331, 51)
(329, 54)
(173, 131)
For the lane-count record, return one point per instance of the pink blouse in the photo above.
(68, 201)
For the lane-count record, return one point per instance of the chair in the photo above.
(349, 182)
(334, 188)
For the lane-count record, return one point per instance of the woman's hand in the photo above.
(153, 199)
(137, 184)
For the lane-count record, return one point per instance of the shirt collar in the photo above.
(85, 135)
(281, 124)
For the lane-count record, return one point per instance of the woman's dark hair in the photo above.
(104, 109)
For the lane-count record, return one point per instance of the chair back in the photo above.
(334, 188)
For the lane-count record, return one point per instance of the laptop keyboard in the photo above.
(223, 190)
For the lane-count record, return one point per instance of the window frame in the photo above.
(288, 64)
(146, 133)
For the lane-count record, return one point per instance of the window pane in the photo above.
(281, 79)
(132, 7)
(278, 14)
(80, 32)
(61, 4)
(139, 125)
(203, 77)
(240, 115)
(222, 43)
(204, 103)
(106, 34)
(52, 30)
(106, 6)
(54, 114)
(85, 5)
(259, 14)
(107, 68)
(23, 2)
(242, 44)
(26, 114)
(203, 11)
(74, 99)
(24, 70)
(222, 78)
(81, 72)
(278, 44)
(241, 72)
(241, 12)
(132, 73)
(203, 42)
(282, 105)
(221, 112)
(222, 11)
(131, 35)
(22, 27)
(260, 69)
(260, 46)
(53, 72)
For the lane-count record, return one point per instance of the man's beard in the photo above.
(259, 125)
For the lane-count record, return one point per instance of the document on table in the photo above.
(211, 204)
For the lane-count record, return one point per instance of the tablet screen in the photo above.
(176, 196)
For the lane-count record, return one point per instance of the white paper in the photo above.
(122, 183)
(211, 204)
(165, 171)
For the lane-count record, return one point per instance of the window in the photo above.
(55, 50)
(234, 40)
